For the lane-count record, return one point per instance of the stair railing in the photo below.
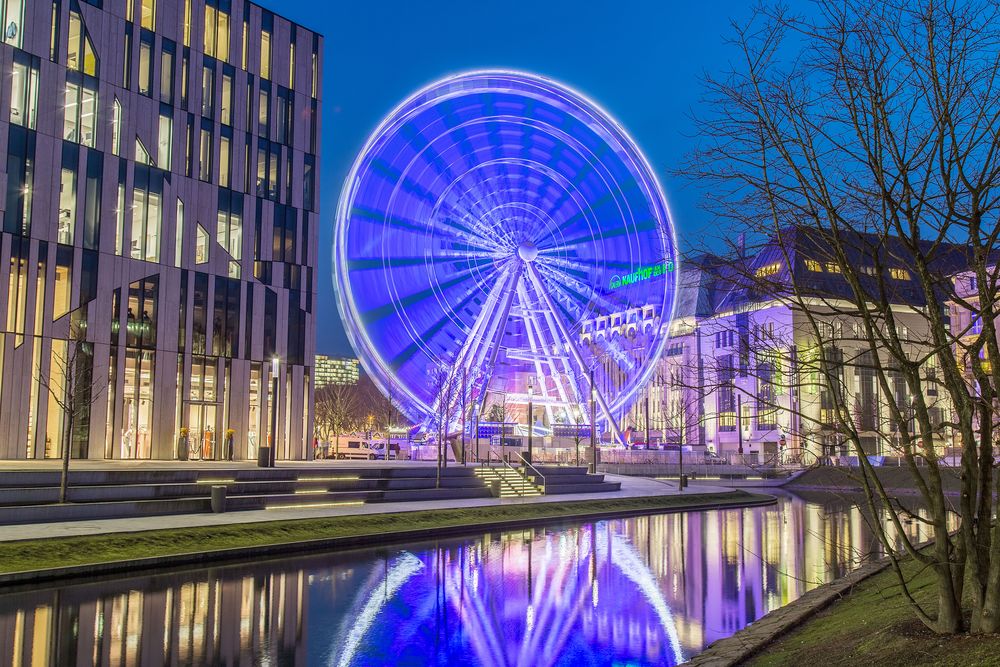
(527, 464)
(506, 464)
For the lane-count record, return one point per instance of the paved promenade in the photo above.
(631, 487)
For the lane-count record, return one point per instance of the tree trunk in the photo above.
(64, 480)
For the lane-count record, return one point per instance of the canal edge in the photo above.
(14, 580)
(754, 638)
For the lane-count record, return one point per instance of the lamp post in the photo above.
(274, 412)
(739, 423)
(531, 416)
(593, 425)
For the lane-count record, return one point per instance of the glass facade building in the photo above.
(336, 370)
(159, 230)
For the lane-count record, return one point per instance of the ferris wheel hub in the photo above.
(527, 251)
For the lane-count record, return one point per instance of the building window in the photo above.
(148, 17)
(205, 168)
(127, 59)
(768, 270)
(13, 22)
(264, 110)
(54, 36)
(309, 183)
(814, 266)
(24, 92)
(899, 274)
(165, 142)
(229, 231)
(265, 55)
(207, 91)
(141, 154)
(285, 116)
(67, 206)
(179, 235)
(20, 177)
(120, 219)
(246, 40)
(201, 246)
(146, 215)
(146, 64)
(217, 30)
(226, 103)
(140, 318)
(315, 74)
(187, 22)
(185, 60)
(116, 127)
(225, 157)
(291, 61)
(80, 114)
(832, 267)
(64, 282)
(167, 72)
(80, 55)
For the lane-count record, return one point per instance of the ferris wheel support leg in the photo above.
(574, 350)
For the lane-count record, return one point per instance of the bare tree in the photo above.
(71, 383)
(336, 408)
(864, 142)
(445, 382)
(388, 415)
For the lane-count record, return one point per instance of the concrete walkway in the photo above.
(631, 487)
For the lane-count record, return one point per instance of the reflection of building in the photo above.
(161, 210)
(217, 617)
(335, 370)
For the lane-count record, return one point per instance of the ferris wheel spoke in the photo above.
(415, 299)
(570, 343)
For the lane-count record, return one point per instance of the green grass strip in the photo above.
(23, 555)
(873, 625)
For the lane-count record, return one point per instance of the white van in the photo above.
(356, 449)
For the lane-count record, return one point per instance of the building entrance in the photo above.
(203, 436)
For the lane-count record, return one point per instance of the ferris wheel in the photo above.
(503, 224)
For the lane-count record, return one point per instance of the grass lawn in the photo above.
(874, 626)
(61, 552)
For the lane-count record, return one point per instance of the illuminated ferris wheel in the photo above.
(503, 224)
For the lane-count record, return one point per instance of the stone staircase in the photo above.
(570, 479)
(507, 482)
(30, 496)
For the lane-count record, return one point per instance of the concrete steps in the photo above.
(571, 479)
(30, 496)
(507, 482)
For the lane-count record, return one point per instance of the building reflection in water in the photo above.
(646, 590)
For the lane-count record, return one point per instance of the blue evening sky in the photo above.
(641, 60)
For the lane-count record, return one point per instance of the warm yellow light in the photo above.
(340, 504)
(326, 479)
(216, 481)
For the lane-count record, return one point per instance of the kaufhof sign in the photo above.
(642, 273)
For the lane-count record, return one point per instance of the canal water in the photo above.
(651, 590)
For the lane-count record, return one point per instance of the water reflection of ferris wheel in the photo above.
(512, 603)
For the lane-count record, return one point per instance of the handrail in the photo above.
(528, 464)
(489, 451)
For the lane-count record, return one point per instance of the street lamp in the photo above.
(274, 411)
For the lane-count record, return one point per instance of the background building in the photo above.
(335, 370)
(159, 226)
